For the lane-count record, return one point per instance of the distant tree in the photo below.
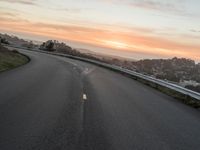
(50, 46)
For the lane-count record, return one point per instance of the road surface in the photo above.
(55, 103)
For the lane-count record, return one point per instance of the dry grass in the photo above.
(10, 59)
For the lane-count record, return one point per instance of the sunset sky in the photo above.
(131, 28)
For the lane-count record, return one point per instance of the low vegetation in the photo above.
(193, 88)
(10, 59)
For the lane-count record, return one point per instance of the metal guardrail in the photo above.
(163, 83)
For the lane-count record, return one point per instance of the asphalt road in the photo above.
(55, 103)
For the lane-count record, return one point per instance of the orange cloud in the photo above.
(139, 41)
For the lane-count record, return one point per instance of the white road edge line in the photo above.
(84, 97)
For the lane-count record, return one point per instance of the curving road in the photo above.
(55, 103)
